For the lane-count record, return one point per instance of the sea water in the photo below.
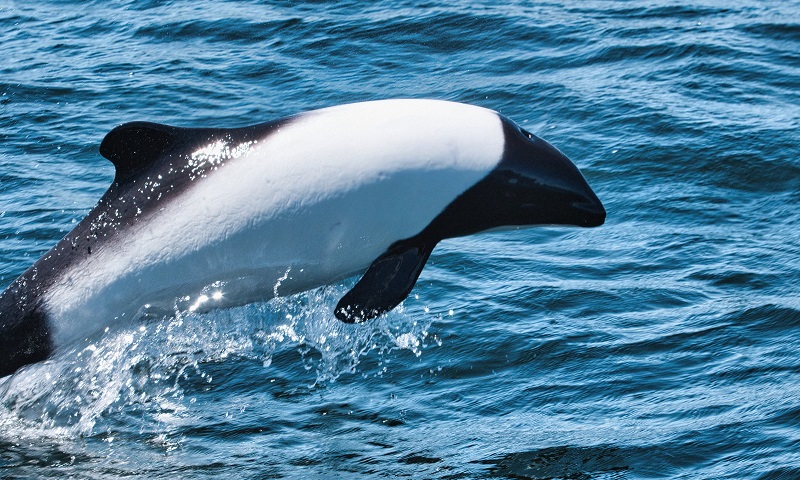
(664, 344)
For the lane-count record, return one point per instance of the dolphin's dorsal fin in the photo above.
(134, 146)
(387, 282)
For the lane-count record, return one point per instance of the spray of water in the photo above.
(140, 370)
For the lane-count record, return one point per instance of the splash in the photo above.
(142, 371)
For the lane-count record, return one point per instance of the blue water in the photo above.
(664, 344)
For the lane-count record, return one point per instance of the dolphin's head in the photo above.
(542, 185)
(533, 184)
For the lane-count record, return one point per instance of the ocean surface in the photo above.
(664, 344)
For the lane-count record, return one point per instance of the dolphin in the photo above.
(203, 218)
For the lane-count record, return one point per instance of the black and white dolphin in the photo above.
(214, 217)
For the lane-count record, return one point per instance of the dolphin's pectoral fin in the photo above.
(386, 283)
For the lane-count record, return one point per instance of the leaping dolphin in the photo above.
(220, 217)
